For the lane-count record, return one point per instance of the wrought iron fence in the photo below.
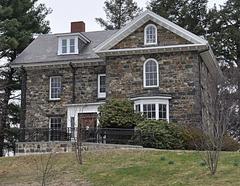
(94, 135)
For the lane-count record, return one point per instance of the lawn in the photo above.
(123, 167)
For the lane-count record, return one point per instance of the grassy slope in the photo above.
(126, 167)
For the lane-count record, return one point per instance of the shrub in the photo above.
(170, 162)
(229, 144)
(192, 137)
(161, 135)
(118, 114)
(162, 158)
(202, 163)
(193, 140)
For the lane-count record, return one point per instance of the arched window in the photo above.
(150, 73)
(150, 35)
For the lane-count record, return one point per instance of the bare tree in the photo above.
(45, 167)
(215, 121)
(78, 145)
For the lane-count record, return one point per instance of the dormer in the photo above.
(72, 43)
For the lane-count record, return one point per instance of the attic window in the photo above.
(150, 35)
(67, 45)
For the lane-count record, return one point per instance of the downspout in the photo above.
(73, 82)
(23, 97)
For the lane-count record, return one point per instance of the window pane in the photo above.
(138, 108)
(149, 111)
(55, 128)
(64, 46)
(151, 73)
(55, 87)
(150, 34)
(162, 112)
(72, 45)
(102, 88)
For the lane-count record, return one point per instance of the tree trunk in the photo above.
(6, 98)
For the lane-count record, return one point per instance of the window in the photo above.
(55, 128)
(156, 107)
(68, 45)
(162, 111)
(101, 85)
(150, 35)
(55, 88)
(150, 73)
(149, 111)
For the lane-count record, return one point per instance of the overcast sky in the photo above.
(66, 11)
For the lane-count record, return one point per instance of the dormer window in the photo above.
(67, 45)
(150, 35)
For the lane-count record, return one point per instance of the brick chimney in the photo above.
(78, 26)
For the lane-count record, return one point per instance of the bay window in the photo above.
(154, 108)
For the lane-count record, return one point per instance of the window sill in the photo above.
(151, 87)
(54, 100)
(150, 44)
(60, 54)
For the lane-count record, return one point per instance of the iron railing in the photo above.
(94, 135)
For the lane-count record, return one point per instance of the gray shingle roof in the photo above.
(44, 48)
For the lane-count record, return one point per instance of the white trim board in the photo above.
(158, 49)
(57, 62)
(142, 19)
(74, 109)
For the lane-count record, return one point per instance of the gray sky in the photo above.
(66, 11)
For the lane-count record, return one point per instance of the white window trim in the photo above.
(101, 94)
(145, 35)
(153, 100)
(76, 51)
(50, 87)
(144, 73)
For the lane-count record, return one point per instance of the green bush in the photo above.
(161, 135)
(118, 114)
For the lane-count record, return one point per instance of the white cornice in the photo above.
(159, 49)
(85, 104)
(78, 34)
(63, 62)
(151, 98)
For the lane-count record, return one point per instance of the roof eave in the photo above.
(63, 62)
(159, 49)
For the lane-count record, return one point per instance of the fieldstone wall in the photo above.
(164, 37)
(39, 108)
(64, 146)
(208, 89)
(43, 147)
(178, 77)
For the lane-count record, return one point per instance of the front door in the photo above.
(88, 123)
(87, 120)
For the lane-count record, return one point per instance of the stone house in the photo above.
(168, 73)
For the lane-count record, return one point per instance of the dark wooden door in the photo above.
(87, 120)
